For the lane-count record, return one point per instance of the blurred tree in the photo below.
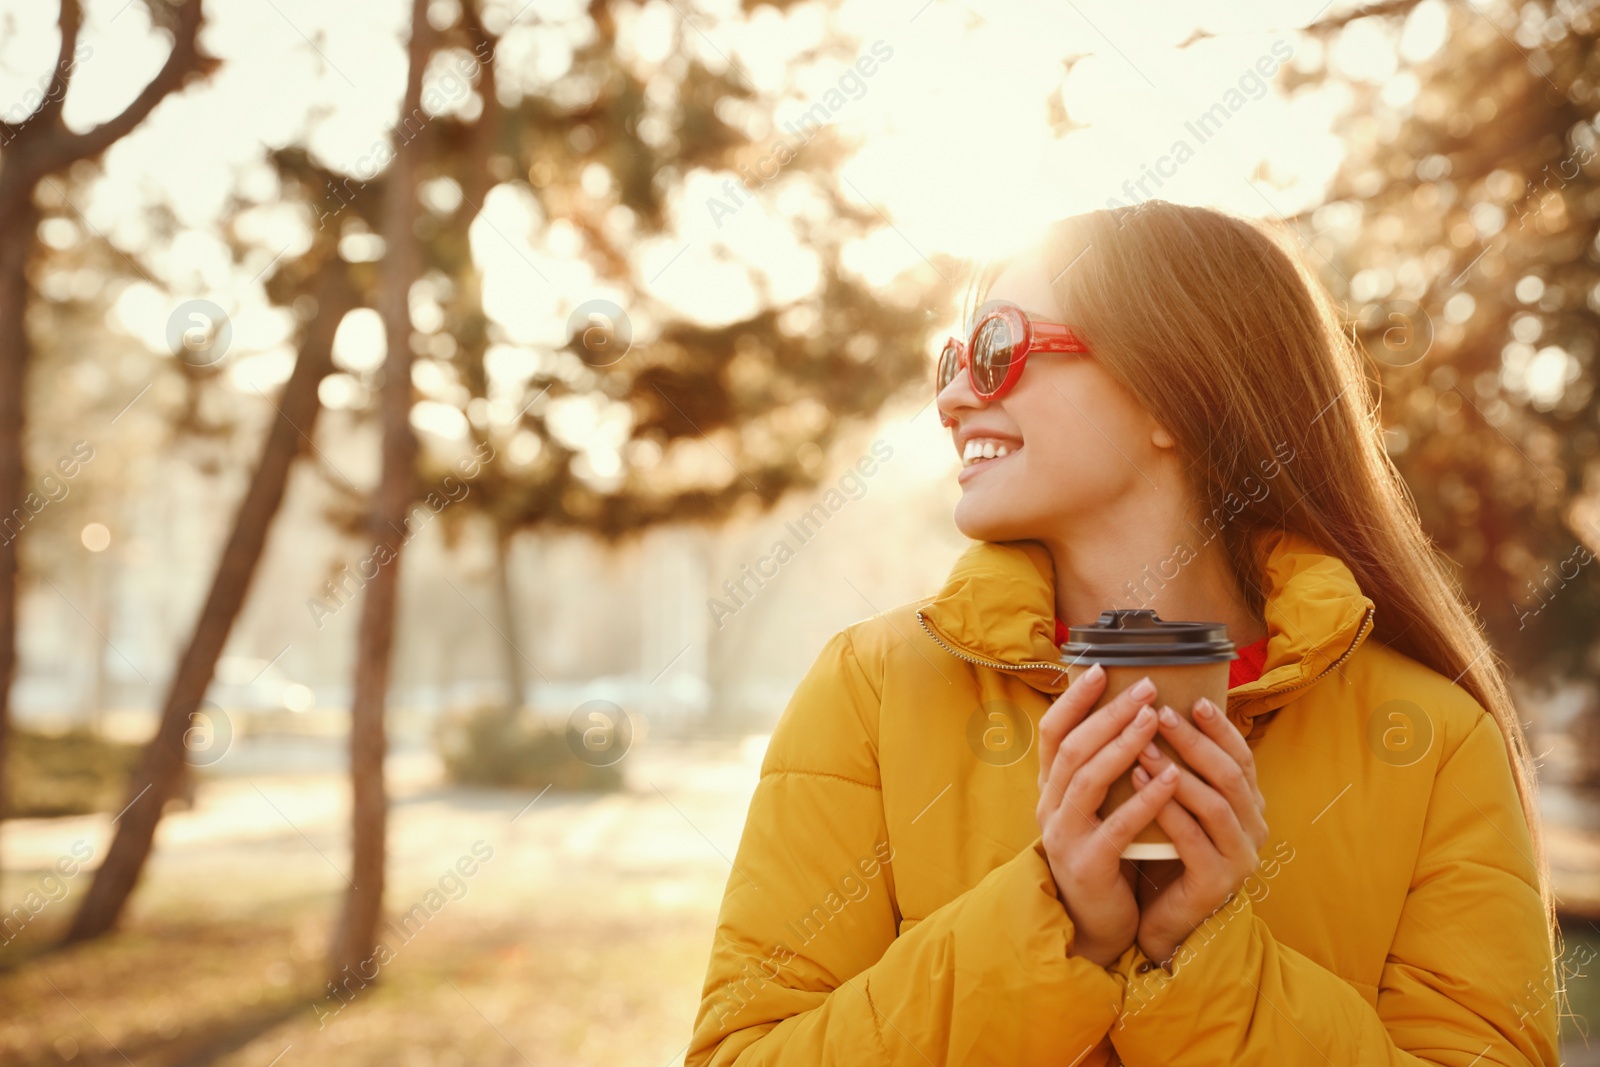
(32, 151)
(603, 426)
(162, 767)
(634, 415)
(616, 430)
(89, 395)
(685, 423)
(357, 932)
(1462, 231)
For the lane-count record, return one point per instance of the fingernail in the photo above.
(1146, 713)
(1204, 709)
(1169, 716)
(1169, 772)
(1095, 673)
(1152, 751)
(1139, 776)
(1143, 689)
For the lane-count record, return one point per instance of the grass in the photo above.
(492, 746)
(467, 992)
(582, 941)
(66, 774)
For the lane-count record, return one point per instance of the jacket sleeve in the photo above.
(1467, 980)
(806, 966)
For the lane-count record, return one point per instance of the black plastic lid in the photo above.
(1138, 638)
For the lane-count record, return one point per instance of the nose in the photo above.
(956, 398)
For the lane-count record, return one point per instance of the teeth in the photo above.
(981, 449)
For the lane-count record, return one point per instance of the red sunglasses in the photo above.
(1003, 337)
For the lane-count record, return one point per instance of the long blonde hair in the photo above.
(1252, 354)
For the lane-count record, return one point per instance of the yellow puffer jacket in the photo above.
(891, 904)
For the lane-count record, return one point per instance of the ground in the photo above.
(581, 939)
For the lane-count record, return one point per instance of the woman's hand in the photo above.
(1080, 755)
(1215, 853)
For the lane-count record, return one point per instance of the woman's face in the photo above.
(1076, 441)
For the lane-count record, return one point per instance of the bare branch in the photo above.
(183, 63)
(1387, 8)
(71, 22)
(487, 128)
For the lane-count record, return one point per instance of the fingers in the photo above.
(1118, 830)
(1195, 849)
(1135, 813)
(1081, 776)
(1215, 725)
(1086, 734)
(1070, 716)
(1229, 834)
(1066, 712)
(1198, 855)
(1220, 771)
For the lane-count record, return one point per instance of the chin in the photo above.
(989, 520)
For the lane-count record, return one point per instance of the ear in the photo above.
(1161, 438)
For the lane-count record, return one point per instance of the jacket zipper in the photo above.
(983, 662)
(1259, 722)
(1361, 632)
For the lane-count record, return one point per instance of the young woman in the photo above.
(1157, 409)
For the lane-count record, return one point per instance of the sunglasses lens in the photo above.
(949, 363)
(991, 354)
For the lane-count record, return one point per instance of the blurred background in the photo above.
(402, 404)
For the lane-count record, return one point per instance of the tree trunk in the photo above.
(356, 937)
(516, 681)
(162, 766)
(35, 148)
(16, 247)
(102, 575)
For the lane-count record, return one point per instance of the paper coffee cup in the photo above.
(1186, 661)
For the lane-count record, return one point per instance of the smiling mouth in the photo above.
(984, 450)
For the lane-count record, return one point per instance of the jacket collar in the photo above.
(997, 608)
